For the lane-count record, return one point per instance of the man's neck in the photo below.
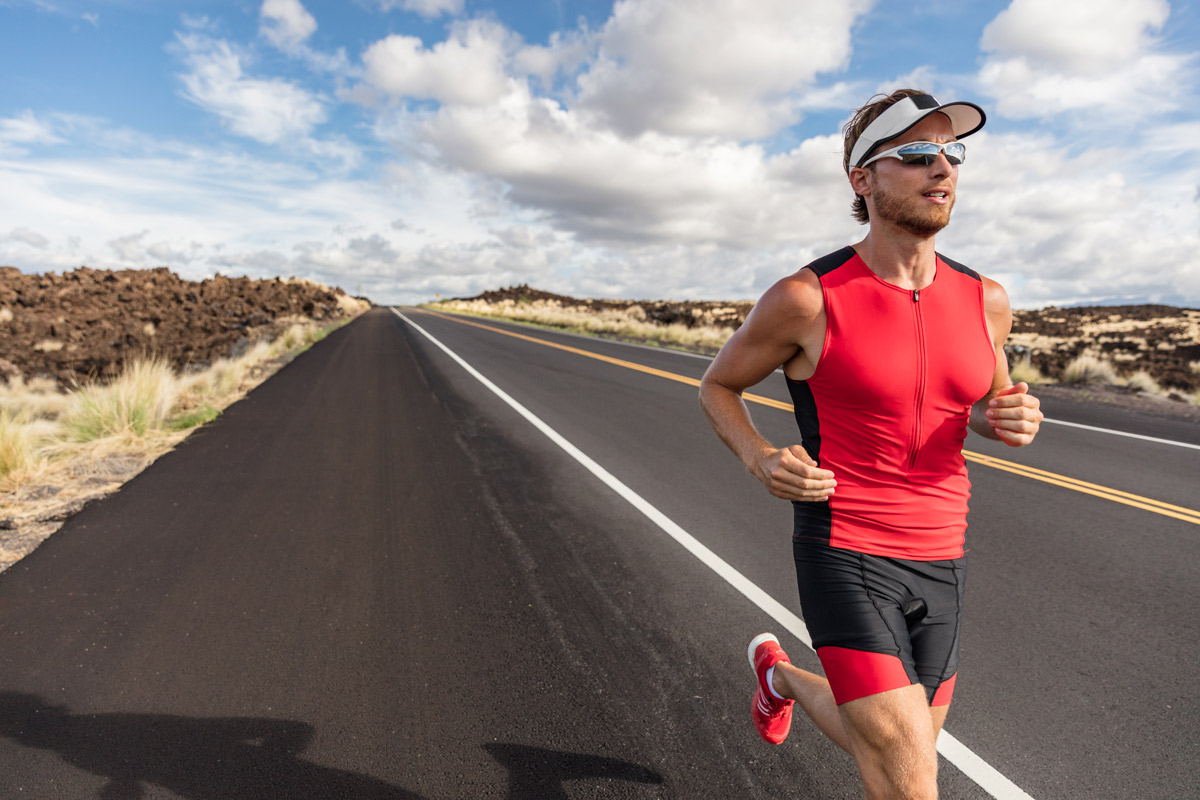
(899, 258)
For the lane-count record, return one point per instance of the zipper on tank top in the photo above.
(919, 324)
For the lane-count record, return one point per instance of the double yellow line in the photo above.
(1115, 495)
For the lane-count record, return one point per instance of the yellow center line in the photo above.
(671, 376)
(1115, 495)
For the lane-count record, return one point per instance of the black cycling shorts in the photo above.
(881, 623)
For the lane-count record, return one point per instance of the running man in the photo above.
(891, 351)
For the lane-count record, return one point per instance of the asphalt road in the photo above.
(372, 578)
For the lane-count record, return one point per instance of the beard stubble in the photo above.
(915, 220)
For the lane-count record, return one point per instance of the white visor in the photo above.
(965, 118)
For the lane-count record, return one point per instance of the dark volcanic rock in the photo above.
(1164, 341)
(87, 323)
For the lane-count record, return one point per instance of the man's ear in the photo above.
(860, 181)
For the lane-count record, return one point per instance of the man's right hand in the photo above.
(792, 474)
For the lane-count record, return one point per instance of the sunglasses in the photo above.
(924, 153)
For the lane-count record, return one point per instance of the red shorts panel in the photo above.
(856, 673)
(944, 692)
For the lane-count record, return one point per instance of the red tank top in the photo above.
(887, 408)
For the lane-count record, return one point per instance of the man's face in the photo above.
(914, 198)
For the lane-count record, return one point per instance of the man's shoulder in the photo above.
(828, 263)
(960, 268)
(994, 295)
(797, 295)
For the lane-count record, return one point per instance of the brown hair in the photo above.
(854, 128)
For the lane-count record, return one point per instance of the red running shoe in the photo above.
(772, 716)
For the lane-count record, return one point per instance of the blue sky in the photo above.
(406, 149)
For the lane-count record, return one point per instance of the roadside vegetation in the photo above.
(60, 449)
(145, 410)
(1092, 370)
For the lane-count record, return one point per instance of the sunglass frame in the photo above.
(923, 159)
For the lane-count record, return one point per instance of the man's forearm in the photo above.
(978, 421)
(729, 417)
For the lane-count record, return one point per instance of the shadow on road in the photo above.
(537, 773)
(197, 758)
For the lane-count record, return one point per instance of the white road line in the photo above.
(952, 749)
(1123, 433)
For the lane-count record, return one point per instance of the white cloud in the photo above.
(468, 67)
(26, 236)
(1023, 90)
(719, 67)
(25, 129)
(1080, 37)
(645, 146)
(1093, 56)
(286, 23)
(129, 248)
(265, 110)
(564, 53)
(426, 8)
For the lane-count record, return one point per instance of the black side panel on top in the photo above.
(826, 264)
(810, 520)
(957, 267)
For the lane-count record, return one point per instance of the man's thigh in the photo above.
(896, 726)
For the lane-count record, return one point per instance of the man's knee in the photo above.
(893, 739)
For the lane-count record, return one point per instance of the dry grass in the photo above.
(1142, 381)
(1088, 368)
(137, 402)
(351, 306)
(1024, 370)
(629, 323)
(17, 443)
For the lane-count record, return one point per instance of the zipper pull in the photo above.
(916, 295)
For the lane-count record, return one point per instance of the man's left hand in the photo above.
(1015, 415)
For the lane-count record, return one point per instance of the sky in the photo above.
(406, 150)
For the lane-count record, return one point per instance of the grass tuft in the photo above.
(1142, 381)
(291, 338)
(1024, 370)
(137, 402)
(17, 444)
(1088, 368)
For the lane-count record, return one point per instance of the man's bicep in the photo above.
(749, 356)
(772, 333)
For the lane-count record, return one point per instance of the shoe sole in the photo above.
(755, 642)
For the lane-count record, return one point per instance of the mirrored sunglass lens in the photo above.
(925, 153)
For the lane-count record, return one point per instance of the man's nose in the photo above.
(941, 165)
